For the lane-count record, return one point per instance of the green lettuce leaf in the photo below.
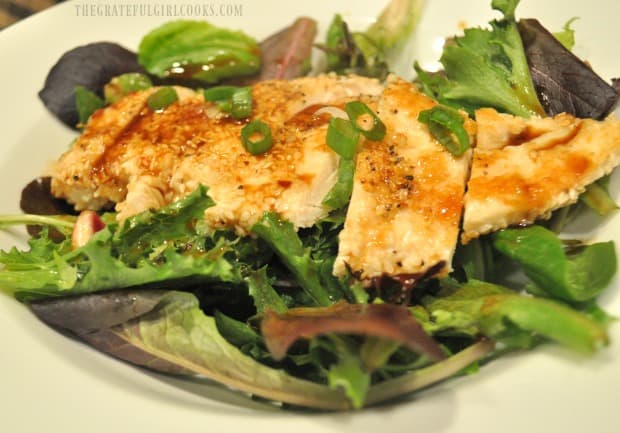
(366, 53)
(349, 375)
(353, 53)
(547, 318)
(573, 276)
(567, 35)
(142, 234)
(281, 237)
(264, 295)
(152, 249)
(395, 23)
(597, 197)
(179, 332)
(198, 50)
(177, 337)
(242, 336)
(486, 68)
(501, 314)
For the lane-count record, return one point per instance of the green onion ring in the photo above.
(162, 98)
(231, 99)
(342, 137)
(260, 146)
(219, 93)
(355, 109)
(443, 122)
(241, 106)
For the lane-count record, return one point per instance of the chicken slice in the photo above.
(404, 214)
(138, 158)
(523, 169)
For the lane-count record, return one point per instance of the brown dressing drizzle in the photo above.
(407, 282)
(306, 119)
(527, 134)
(285, 183)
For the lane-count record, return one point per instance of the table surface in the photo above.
(12, 11)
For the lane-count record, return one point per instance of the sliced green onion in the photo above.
(445, 123)
(123, 84)
(161, 98)
(219, 93)
(357, 109)
(225, 105)
(342, 137)
(256, 145)
(241, 103)
(86, 103)
(340, 194)
(231, 99)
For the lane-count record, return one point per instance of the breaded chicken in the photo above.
(403, 219)
(523, 169)
(139, 159)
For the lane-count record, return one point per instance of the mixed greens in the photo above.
(486, 68)
(263, 313)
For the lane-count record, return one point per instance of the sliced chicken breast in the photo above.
(523, 169)
(403, 219)
(138, 159)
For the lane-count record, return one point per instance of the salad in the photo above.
(348, 383)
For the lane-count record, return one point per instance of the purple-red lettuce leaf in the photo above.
(286, 54)
(387, 321)
(564, 83)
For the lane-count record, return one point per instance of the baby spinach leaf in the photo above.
(575, 277)
(476, 260)
(542, 316)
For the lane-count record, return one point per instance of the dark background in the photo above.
(12, 11)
